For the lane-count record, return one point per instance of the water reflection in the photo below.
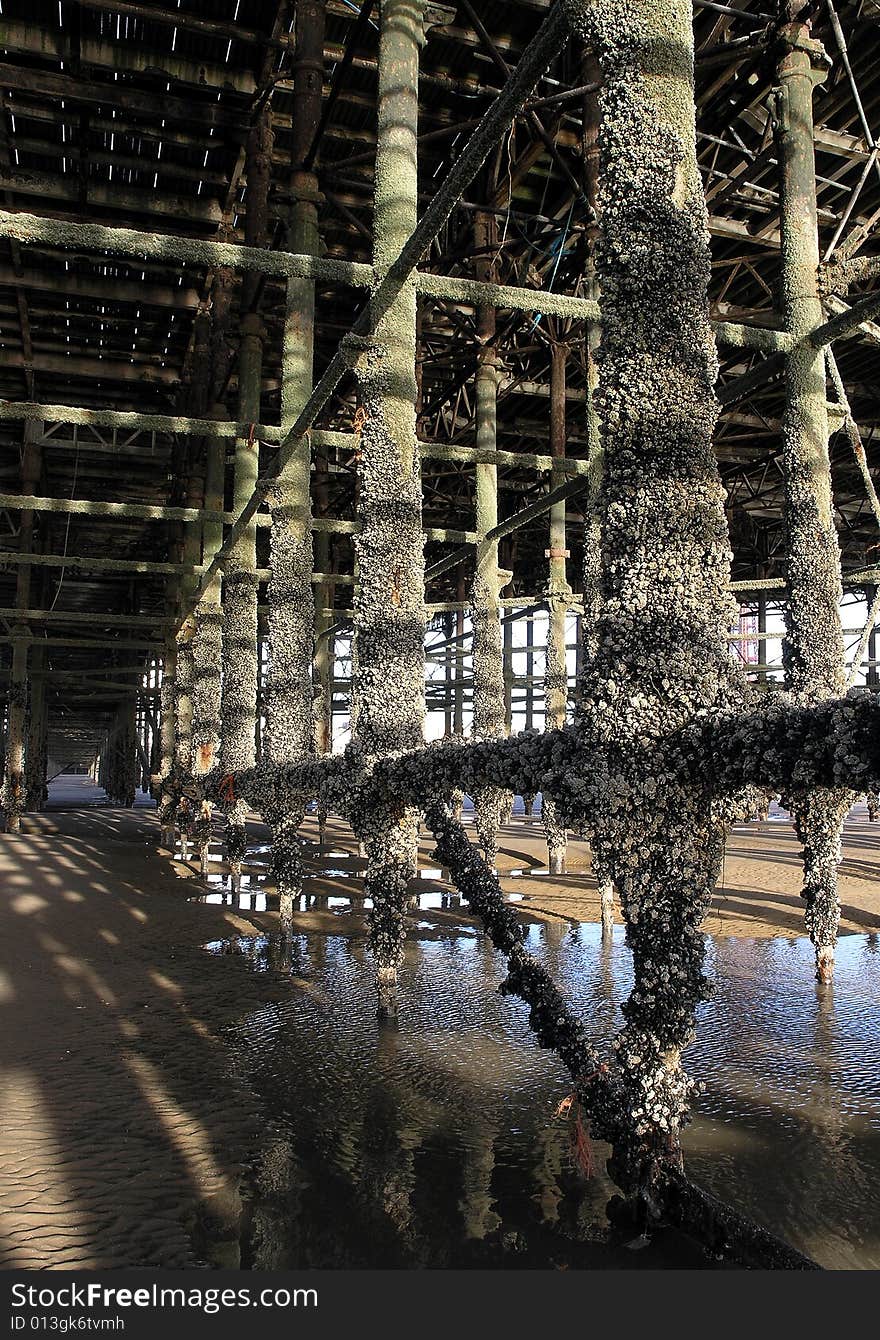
(435, 1144)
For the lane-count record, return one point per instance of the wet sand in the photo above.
(758, 894)
(112, 1152)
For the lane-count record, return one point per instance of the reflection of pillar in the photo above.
(813, 650)
(558, 594)
(391, 1138)
(488, 673)
(548, 1155)
(477, 1204)
(389, 610)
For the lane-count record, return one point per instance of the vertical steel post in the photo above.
(558, 595)
(458, 697)
(813, 652)
(488, 675)
(762, 640)
(530, 672)
(448, 671)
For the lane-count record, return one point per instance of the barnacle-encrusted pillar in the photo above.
(291, 730)
(289, 720)
(389, 604)
(126, 752)
(167, 736)
(662, 655)
(813, 651)
(592, 595)
(14, 791)
(14, 796)
(592, 604)
(183, 714)
(183, 814)
(38, 726)
(238, 707)
(207, 653)
(488, 690)
(558, 596)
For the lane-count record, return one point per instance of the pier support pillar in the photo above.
(389, 604)
(488, 657)
(813, 651)
(558, 596)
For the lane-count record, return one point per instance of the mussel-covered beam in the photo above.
(98, 237)
(191, 251)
